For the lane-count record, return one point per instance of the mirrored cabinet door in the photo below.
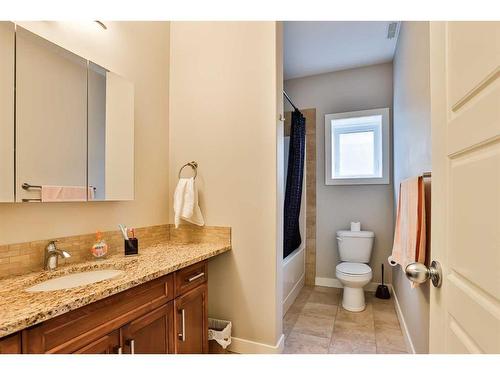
(7, 35)
(110, 135)
(51, 121)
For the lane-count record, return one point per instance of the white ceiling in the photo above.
(320, 47)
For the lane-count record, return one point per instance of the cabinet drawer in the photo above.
(190, 277)
(75, 329)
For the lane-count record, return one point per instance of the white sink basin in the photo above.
(74, 280)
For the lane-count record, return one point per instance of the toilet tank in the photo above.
(355, 246)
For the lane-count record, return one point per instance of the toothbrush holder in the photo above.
(131, 246)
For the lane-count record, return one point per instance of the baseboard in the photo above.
(335, 283)
(288, 301)
(243, 346)
(404, 328)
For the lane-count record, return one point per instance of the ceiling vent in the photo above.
(392, 29)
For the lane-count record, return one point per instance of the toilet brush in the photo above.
(382, 290)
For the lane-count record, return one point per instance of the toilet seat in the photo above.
(353, 269)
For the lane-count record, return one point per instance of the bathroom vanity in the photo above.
(147, 310)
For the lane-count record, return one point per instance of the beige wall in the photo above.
(343, 91)
(119, 138)
(412, 155)
(223, 115)
(139, 51)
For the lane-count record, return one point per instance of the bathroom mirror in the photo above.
(74, 124)
(51, 119)
(110, 135)
(7, 36)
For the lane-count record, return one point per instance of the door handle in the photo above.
(182, 335)
(420, 273)
(131, 343)
(193, 278)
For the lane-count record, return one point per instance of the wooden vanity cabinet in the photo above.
(107, 344)
(11, 344)
(152, 333)
(165, 315)
(191, 322)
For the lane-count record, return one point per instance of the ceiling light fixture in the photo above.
(100, 23)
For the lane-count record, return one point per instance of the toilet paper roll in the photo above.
(355, 226)
(391, 261)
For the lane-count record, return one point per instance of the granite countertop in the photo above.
(20, 309)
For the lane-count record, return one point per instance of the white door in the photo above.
(465, 107)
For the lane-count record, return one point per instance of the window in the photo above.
(357, 147)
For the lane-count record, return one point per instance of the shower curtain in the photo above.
(294, 180)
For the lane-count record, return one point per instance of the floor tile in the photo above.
(389, 351)
(298, 343)
(289, 321)
(349, 330)
(351, 347)
(314, 326)
(319, 310)
(317, 323)
(324, 297)
(390, 339)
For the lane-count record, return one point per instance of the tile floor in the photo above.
(316, 323)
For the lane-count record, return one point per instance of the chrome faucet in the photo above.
(52, 254)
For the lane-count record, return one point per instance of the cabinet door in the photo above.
(191, 322)
(11, 344)
(152, 333)
(108, 344)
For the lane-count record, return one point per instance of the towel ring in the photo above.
(193, 165)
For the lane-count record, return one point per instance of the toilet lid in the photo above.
(352, 268)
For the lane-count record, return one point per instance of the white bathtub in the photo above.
(293, 276)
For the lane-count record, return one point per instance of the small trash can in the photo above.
(219, 336)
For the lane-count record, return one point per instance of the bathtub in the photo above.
(293, 276)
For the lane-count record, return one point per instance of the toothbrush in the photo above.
(124, 231)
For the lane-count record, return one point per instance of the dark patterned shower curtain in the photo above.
(294, 180)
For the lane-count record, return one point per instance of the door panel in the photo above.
(472, 56)
(151, 333)
(474, 231)
(108, 344)
(191, 331)
(465, 103)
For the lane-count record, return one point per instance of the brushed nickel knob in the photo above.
(420, 273)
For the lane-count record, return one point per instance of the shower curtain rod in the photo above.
(290, 100)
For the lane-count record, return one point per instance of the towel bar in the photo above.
(27, 186)
(193, 165)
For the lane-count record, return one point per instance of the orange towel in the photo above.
(409, 234)
(64, 193)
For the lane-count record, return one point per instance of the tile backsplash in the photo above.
(21, 258)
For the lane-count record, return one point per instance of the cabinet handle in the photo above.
(193, 278)
(119, 350)
(182, 335)
(131, 343)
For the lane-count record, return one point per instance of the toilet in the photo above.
(353, 272)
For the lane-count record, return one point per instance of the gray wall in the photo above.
(412, 155)
(349, 90)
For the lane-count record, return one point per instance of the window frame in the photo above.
(385, 152)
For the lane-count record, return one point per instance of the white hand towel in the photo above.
(186, 203)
